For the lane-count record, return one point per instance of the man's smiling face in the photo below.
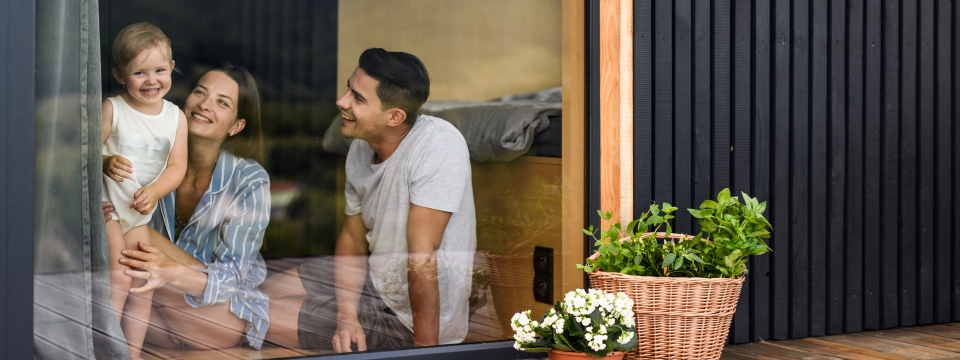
(360, 107)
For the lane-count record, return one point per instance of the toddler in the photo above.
(144, 159)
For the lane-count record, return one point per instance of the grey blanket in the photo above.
(494, 130)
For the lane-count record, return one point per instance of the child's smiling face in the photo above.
(147, 79)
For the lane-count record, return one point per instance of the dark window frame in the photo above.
(17, 103)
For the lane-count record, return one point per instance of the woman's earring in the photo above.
(124, 85)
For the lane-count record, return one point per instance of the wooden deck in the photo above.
(919, 342)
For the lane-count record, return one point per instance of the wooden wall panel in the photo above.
(779, 201)
(819, 79)
(643, 129)
(683, 115)
(890, 194)
(853, 253)
(841, 114)
(908, 166)
(740, 137)
(838, 174)
(663, 87)
(955, 296)
(799, 171)
(943, 163)
(873, 47)
(760, 169)
(925, 238)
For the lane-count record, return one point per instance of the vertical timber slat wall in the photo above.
(840, 114)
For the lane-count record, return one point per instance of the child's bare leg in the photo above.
(136, 313)
(119, 283)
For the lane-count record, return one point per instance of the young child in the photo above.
(144, 159)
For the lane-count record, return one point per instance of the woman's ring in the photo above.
(149, 275)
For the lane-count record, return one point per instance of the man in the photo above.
(409, 206)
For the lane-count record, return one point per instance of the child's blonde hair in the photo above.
(136, 38)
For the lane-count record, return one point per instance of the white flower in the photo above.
(594, 309)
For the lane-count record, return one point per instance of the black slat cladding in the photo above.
(740, 137)
(908, 165)
(889, 198)
(838, 174)
(841, 115)
(943, 158)
(819, 79)
(925, 141)
(799, 172)
(873, 47)
(760, 168)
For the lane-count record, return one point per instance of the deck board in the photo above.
(941, 341)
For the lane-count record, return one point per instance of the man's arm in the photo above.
(349, 274)
(425, 229)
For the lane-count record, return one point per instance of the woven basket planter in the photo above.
(511, 279)
(677, 317)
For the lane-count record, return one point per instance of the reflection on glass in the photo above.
(344, 226)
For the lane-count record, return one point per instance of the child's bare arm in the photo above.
(115, 166)
(146, 198)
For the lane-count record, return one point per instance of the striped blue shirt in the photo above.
(225, 233)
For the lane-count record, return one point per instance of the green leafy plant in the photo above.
(731, 231)
(735, 231)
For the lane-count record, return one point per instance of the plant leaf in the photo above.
(668, 259)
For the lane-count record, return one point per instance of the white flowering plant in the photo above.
(592, 322)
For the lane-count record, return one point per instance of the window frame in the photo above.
(17, 96)
(17, 91)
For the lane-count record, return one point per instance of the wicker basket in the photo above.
(511, 278)
(677, 317)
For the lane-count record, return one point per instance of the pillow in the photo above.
(494, 130)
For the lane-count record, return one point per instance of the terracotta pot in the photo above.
(572, 355)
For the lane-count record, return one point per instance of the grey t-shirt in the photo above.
(430, 168)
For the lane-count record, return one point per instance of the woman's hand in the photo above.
(117, 167)
(107, 209)
(158, 268)
(144, 200)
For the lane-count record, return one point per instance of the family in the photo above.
(186, 205)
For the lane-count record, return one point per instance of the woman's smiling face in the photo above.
(211, 108)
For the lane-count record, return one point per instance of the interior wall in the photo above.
(474, 50)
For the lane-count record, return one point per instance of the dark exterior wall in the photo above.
(16, 177)
(841, 115)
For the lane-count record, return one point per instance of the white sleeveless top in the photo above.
(145, 140)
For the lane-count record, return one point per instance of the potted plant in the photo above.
(683, 287)
(585, 324)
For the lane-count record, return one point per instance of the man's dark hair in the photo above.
(403, 80)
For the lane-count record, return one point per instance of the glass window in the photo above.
(445, 204)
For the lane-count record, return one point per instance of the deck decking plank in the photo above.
(918, 338)
(952, 332)
(895, 348)
(736, 355)
(830, 348)
(768, 350)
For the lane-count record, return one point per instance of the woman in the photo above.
(206, 279)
